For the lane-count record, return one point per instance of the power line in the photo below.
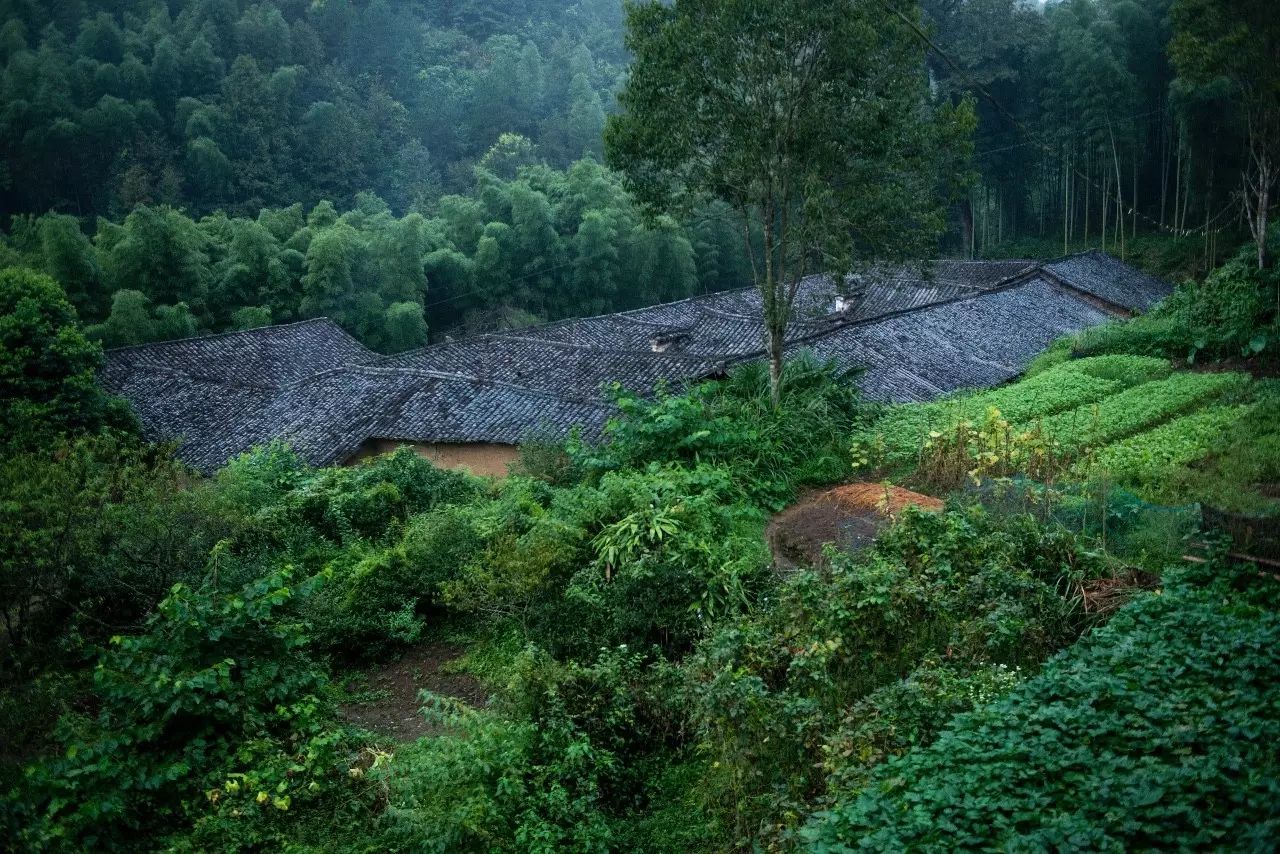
(1073, 133)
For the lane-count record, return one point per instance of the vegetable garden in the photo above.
(1125, 419)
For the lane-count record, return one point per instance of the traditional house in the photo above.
(917, 331)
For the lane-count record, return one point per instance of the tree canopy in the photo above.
(812, 122)
(48, 369)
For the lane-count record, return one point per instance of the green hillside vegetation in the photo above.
(1152, 731)
(541, 244)
(1072, 653)
(180, 649)
(1145, 422)
(235, 106)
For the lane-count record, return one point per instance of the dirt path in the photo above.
(394, 712)
(847, 516)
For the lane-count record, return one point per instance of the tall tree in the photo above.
(1237, 43)
(810, 119)
(48, 369)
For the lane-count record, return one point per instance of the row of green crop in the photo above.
(1138, 408)
(1146, 459)
(1177, 437)
(897, 438)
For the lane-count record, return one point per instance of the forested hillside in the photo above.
(364, 113)
(1106, 119)
(543, 245)
(756, 613)
(225, 105)
(253, 164)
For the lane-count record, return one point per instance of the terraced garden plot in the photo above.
(900, 434)
(1147, 458)
(1139, 408)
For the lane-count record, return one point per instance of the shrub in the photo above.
(1156, 731)
(95, 532)
(903, 715)
(733, 423)
(964, 588)
(213, 707)
(363, 502)
(379, 600)
(495, 785)
(642, 557)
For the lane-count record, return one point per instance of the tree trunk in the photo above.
(1066, 203)
(1115, 159)
(1257, 198)
(1106, 207)
(776, 341)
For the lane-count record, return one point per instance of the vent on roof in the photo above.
(844, 303)
(670, 339)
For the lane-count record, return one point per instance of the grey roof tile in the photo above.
(919, 331)
(1110, 279)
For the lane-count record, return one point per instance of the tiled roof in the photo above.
(257, 358)
(1110, 279)
(918, 332)
(973, 343)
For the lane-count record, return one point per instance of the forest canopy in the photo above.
(193, 129)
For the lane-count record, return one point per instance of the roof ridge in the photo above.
(598, 349)
(1008, 283)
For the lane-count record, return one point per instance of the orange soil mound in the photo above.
(886, 500)
(848, 516)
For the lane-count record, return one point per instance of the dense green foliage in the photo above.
(656, 686)
(1234, 312)
(1103, 121)
(239, 105)
(212, 695)
(773, 449)
(183, 657)
(541, 245)
(48, 370)
(954, 604)
(1158, 728)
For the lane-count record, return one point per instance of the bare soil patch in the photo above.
(847, 516)
(395, 711)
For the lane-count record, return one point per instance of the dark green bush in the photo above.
(1155, 732)
(733, 423)
(770, 693)
(364, 501)
(93, 533)
(382, 599)
(214, 708)
(495, 785)
(643, 557)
